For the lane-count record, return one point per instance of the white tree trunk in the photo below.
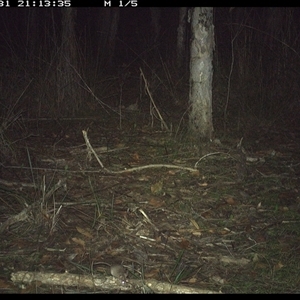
(201, 73)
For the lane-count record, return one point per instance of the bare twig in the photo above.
(206, 155)
(91, 150)
(163, 123)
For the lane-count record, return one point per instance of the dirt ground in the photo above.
(177, 218)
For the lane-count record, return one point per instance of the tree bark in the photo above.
(201, 73)
(68, 99)
(113, 33)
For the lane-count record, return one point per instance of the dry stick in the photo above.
(91, 150)
(102, 283)
(206, 155)
(17, 184)
(164, 125)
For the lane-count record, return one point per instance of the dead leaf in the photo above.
(143, 178)
(118, 201)
(195, 224)
(84, 232)
(136, 157)
(184, 244)
(236, 261)
(102, 149)
(156, 188)
(195, 173)
(207, 214)
(261, 265)
(153, 273)
(156, 202)
(203, 184)
(192, 280)
(178, 161)
(79, 241)
(173, 172)
(192, 231)
(278, 266)
(120, 145)
(230, 201)
(223, 231)
(196, 233)
(46, 259)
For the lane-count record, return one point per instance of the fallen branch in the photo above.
(103, 283)
(152, 166)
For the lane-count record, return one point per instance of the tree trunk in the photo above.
(113, 33)
(68, 99)
(181, 37)
(201, 73)
(155, 20)
(32, 34)
(103, 30)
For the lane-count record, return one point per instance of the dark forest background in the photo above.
(256, 59)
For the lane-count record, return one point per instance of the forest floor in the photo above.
(224, 219)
